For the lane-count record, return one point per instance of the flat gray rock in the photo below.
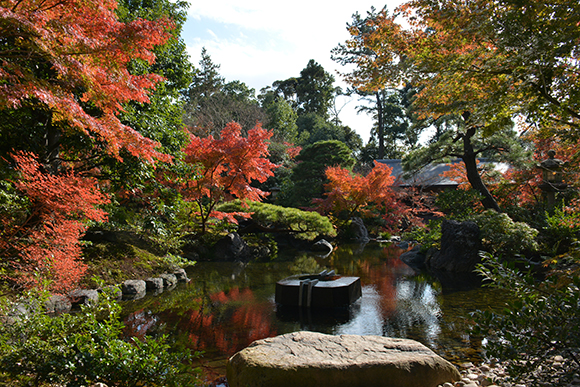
(169, 280)
(310, 359)
(154, 283)
(133, 287)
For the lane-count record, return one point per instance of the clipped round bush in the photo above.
(307, 225)
(503, 237)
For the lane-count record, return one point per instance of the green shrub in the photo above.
(503, 237)
(458, 204)
(80, 349)
(561, 229)
(269, 217)
(427, 237)
(540, 321)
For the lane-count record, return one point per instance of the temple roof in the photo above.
(431, 176)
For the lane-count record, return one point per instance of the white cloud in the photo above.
(212, 33)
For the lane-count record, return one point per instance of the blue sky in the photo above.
(259, 42)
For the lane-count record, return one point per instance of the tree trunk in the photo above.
(470, 161)
(380, 125)
(52, 149)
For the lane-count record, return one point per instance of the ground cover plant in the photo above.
(540, 322)
(83, 348)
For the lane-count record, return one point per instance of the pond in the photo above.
(228, 305)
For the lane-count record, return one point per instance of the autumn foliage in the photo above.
(65, 74)
(227, 167)
(350, 194)
(524, 184)
(474, 55)
(42, 243)
(70, 57)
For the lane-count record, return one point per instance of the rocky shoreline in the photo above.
(129, 290)
(496, 375)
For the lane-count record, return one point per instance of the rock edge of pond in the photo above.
(132, 289)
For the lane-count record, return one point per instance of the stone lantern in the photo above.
(551, 178)
(274, 191)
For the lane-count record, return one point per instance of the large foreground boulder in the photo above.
(314, 359)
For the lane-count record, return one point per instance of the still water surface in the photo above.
(228, 305)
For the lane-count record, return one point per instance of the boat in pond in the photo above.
(323, 290)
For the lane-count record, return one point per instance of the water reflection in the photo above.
(226, 306)
(412, 305)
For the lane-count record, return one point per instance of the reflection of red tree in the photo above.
(229, 323)
(383, 275)
(224, 323)
(138, 323)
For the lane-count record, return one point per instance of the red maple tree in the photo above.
(43, 244)
(70, 57)
(351, 194)
(66, 62)
(227, 167)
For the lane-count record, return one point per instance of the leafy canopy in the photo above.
(494, 59)
(70, 58)
(388, 106)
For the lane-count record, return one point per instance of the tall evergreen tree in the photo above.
(206, 81)
(308, 176)
(315, 90)
(312, 96)
(212, 103)
(347, 54)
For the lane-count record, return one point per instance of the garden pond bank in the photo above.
(227, 305)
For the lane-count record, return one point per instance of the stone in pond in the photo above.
(309, 359)
(318, 291)
(154, 283)
(169, 280)
(133, 287)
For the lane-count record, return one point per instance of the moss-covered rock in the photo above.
(115, 262)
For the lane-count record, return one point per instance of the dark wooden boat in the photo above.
(323, 290)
